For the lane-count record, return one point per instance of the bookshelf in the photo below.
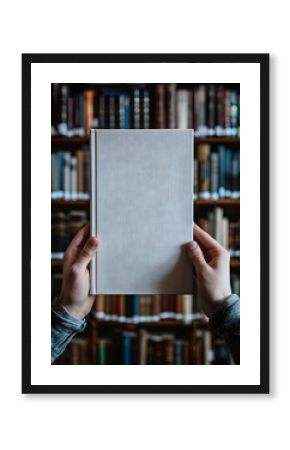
(213, 112)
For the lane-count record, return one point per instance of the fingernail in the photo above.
(94, 242)
(192, 245)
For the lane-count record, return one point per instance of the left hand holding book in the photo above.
(74, 296)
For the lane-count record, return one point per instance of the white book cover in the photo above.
(142, 211)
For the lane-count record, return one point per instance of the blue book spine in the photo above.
(135, 307)
(228, 167)
(178, 352)
(236, 175)
(127, 112)
(126, 349)
(222, 171)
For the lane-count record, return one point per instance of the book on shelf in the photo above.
(72, 112)
(216, 172)
(226, 232)
(140, 309)
(123, 108)
(70, 174)
(209, 109)
(144, 347)
(135, 209)
(64, 226)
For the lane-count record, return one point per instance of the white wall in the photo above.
(134, 421)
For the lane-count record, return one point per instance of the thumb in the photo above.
(196, 256)
(87, 253)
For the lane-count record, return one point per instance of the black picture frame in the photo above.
(263, 61)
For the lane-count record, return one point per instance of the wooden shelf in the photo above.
(63, 140)
(56, 263)
(221, 202)
(235, 263)
(218, 140)
(78, 140)
(199, 202)
(59, 204)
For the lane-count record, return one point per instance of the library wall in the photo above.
(147, 329)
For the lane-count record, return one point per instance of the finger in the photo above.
(196, 256)
(87, 253)
(205, 240)
(76, 245)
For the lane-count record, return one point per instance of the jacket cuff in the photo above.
(226, 320)
(61, 315)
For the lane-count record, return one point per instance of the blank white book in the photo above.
(142, 211)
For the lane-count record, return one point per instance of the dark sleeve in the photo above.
(226, 323)
(64, 327)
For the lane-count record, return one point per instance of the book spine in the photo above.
(102, 111)
(222, 171)
(228, 173)
(127, 111)
(203, 151)
(70, 116)
(74, 187)
(93, 207)
(227, 112)
(187, 308)
(136, 109)
(62, 125)
(89, 111)
(159, 106)
(67, 175)
(218, 226)
(80, 173)
(211, 101)
(135, 308)
(220, 126)
(225, 233)
(202, 128)
(126, 349)
(171, 105)
(182, 108)
(178, 352)
(112, 113)
(214, 175)
(146, 109)
(236, 175)
(234, 112)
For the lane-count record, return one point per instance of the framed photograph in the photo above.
(145, 220)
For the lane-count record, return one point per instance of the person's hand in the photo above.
(212, 270)
(75, 288)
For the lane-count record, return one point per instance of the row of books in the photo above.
(210, 109)
(226, 232)
(148, 348)
(104, 311)
(125, 109)
(216, 172)
(72, 113)
(146, 308)
(64, 226)
(70, 175)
